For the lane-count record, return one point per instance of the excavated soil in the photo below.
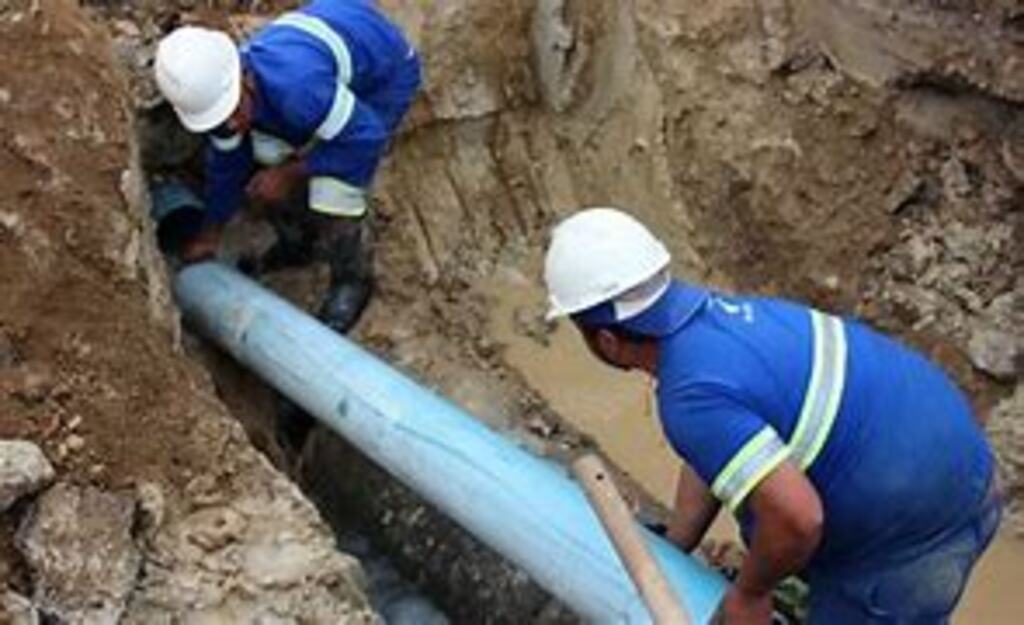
(867, 157)
(91, 369)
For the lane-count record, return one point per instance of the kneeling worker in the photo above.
(298, 118)
(849, 459)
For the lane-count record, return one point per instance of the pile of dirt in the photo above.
(91, 369)
(882, 178)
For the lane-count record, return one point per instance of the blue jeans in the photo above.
(923, 591)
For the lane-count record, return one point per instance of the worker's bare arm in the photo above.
(694, 510)
(273, 185)
(788, 520)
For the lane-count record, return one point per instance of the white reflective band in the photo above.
(332, 196)
(755, 460)
(316, 27)
(344, 100)
(269, 150)
(226, 144)
(824, 391)
(341, 110)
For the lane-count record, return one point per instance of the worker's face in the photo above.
(240, 121)
(608, 347)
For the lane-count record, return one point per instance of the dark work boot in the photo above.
(345, 244)
(344, 304)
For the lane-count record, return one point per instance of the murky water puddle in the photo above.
(618, 410)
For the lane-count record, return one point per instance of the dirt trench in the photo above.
(773, 155)
(772, 159)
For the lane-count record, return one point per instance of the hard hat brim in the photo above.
(556, 311)
(220, 112)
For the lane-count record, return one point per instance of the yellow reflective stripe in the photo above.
(344, 100)
(755, 460)
(824, 390)
(332, 196)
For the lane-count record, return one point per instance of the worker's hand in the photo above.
(740, 608)
(203, 246)
(274, 185)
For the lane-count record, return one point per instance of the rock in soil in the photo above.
(24, 470)
(78, 543)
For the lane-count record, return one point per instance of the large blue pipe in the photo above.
(524, 507)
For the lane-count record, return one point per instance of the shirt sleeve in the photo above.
(348, 143)
(728, 445)
(229, 164)
(342, 167)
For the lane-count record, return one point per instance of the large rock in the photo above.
(260, 558)
(78, 543)
(23, 470)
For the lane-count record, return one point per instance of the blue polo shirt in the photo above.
(888, 441)
(300, 84)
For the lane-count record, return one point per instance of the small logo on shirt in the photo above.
(743, 310)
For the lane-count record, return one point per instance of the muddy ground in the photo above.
(867, 157)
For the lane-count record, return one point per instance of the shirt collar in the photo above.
(679, 303)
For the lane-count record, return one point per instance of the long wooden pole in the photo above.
(618, 522)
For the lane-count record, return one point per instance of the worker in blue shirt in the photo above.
(849, 459)
(298, 118)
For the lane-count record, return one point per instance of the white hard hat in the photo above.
(596, 255)
(198, 70)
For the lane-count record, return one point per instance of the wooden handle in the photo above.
(618, 521)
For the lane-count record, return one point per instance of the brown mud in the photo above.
(882, 179)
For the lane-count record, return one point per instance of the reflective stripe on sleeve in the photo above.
(269, 150)
(332, 196)
(226, 144)
(344, 100)
(824, 390)
(341, 110)
(755, 460)
(316, 27)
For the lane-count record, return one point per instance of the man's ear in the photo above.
(609, 345)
